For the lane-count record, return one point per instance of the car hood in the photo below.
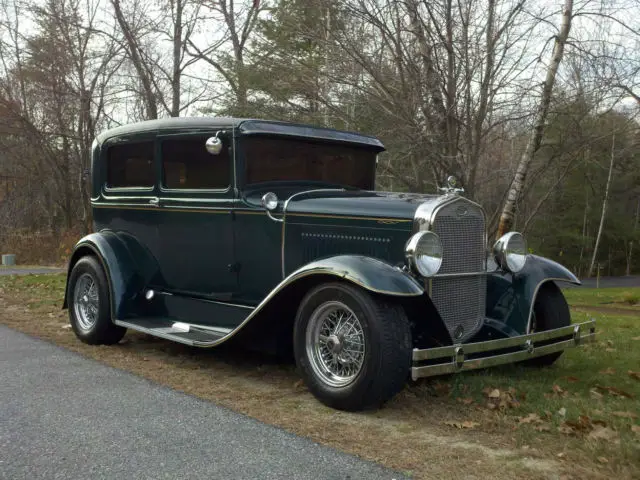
(382, 205)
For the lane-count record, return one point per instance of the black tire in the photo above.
(102, 331)
(550, 311)
(387, 353)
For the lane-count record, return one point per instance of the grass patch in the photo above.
(628, 297)
(574, 419)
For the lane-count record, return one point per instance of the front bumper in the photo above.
(460, 357)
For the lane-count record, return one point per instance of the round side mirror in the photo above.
(213, 145)
(269, 201)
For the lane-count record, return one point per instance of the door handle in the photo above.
(155, 201)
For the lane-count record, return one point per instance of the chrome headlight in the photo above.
(424, 253)
(511, 252)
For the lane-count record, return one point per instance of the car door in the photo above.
(127, 190)
(196, 227)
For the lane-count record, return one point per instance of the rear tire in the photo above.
(89, 304)
(353, 349)
(550, 311)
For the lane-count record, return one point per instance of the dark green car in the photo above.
(271, 234)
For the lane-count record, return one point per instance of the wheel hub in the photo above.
(335, 344)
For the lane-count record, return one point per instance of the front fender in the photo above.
(510, 297)
(128, 266)
(369, 273)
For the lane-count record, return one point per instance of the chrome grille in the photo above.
(461, 300)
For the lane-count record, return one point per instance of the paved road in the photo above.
(66, 417)
(26, 271)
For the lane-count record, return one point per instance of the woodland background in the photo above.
(462, 87)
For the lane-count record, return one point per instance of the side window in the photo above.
(130, 165)
(187, 164)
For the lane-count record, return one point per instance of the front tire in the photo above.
(89, 305)
(550, 311)
(352, 349)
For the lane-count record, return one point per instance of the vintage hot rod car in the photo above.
(212, 229)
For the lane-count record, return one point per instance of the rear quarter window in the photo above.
(130, 165)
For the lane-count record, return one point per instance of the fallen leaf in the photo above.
(608, 371)
(442, 389)
(635, 338)
(494, 393)
(558, 390)
(614, 391)
(603, 460)
(609, 349)
(562, 412)
(610, 343)
(567, 430)
(297, 385)
(634, 375)
(595, 394)
(466, 401)
(465, 424)
(625, 415)
(582, 424)
(603, 433)
(542, 428)
(571, 379)
(531, 418)
(635, 428)
(561, 455)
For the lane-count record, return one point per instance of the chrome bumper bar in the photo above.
(455, 358)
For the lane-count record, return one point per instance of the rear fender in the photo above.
(127, 264)
(510, 297)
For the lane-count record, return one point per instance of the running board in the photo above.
(171, 329)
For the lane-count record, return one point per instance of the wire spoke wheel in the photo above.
(335, 344)
(86, 301)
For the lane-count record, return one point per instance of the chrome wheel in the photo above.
(335, 344)
(86, 301)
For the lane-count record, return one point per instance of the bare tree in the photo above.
(239, 18)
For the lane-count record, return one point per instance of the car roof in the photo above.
(246, 126)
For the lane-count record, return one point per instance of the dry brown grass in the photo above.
(409, 434)
(39, 248)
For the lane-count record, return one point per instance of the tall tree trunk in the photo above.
(604, 207)
(134, 54)
(177, 60)
(584, 230)
(533, 145)
(635, 229)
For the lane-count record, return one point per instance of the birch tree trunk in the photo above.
(533, 145)
(604, 208)
(635, 228)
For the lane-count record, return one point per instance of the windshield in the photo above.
(292, 160)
